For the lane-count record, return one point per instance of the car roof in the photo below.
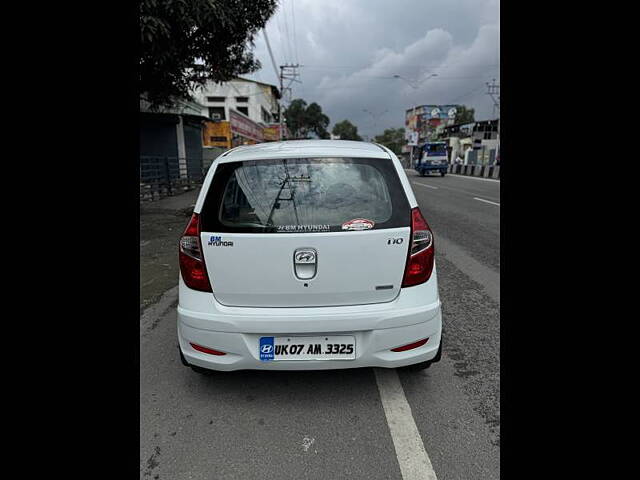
(304, 148)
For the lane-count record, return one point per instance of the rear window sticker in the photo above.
(358, 224)
(303, 228)
(217, 241)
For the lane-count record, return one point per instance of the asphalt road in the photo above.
(333, 424)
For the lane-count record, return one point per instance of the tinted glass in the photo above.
(304, 195)
(435, 150)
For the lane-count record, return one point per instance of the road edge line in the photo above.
(157, 309)
(486, 201)
(412, 457)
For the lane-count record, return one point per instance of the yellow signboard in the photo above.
(216, 134)
(271, 134)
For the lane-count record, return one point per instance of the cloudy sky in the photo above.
(350, 50)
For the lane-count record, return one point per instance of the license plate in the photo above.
(326, 347)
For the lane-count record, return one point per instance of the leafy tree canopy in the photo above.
(346, 130)
(464, 114)
(303, 120)
(184, 43)
(393, 139)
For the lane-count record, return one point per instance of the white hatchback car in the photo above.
(307, 255)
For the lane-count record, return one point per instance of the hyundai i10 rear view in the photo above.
(307, 255)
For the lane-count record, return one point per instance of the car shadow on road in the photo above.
(344, 384)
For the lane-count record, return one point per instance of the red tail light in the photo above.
(202, 349)
(420, 259)
(410, 346)
(192, 267)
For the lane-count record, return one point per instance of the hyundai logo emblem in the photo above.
(266, 348)
(305, 263)
(306, 257)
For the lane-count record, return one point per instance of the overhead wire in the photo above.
(295, 38)
(286, 28)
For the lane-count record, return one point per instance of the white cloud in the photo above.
(351, 50)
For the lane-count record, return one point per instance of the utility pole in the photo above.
(494, 89)
(287, 72)
(411, 150)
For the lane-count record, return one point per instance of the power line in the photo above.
(295, 38)
(286, 28)
(273, 62)
(467, 94)
(283, 44)
(402, 66)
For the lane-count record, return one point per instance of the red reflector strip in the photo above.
(210, 351)
(417, 344)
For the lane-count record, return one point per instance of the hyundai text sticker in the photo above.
(267, 350)
(217, 241)
(303, 228)
(358, 224)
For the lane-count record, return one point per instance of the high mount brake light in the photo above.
(192, 267)
(421, 253)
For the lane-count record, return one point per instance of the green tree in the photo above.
(393, 139)
(346, 130)
(184, 43)
(464, 114)
(304, 120)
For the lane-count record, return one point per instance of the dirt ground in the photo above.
(161, 225)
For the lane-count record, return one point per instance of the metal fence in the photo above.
(165, 176)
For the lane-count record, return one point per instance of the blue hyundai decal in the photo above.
(267, 349)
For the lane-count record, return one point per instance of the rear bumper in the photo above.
(414, 315)
(373, 348)
(434, 168)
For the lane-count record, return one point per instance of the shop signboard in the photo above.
(243, 126)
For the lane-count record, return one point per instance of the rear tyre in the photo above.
(201, 371)
(443, 174)
(195, 368)
(182, 359)
(416, 367)
(424, 365)
(422, 174)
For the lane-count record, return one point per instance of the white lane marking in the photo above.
(474, 178)
(412, 457)
(487, 201)
(425, 185)
(154, 312)
(446, 188)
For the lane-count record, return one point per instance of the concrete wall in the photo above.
(486, 171)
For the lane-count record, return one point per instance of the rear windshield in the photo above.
(307, 195)
(435, 150)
